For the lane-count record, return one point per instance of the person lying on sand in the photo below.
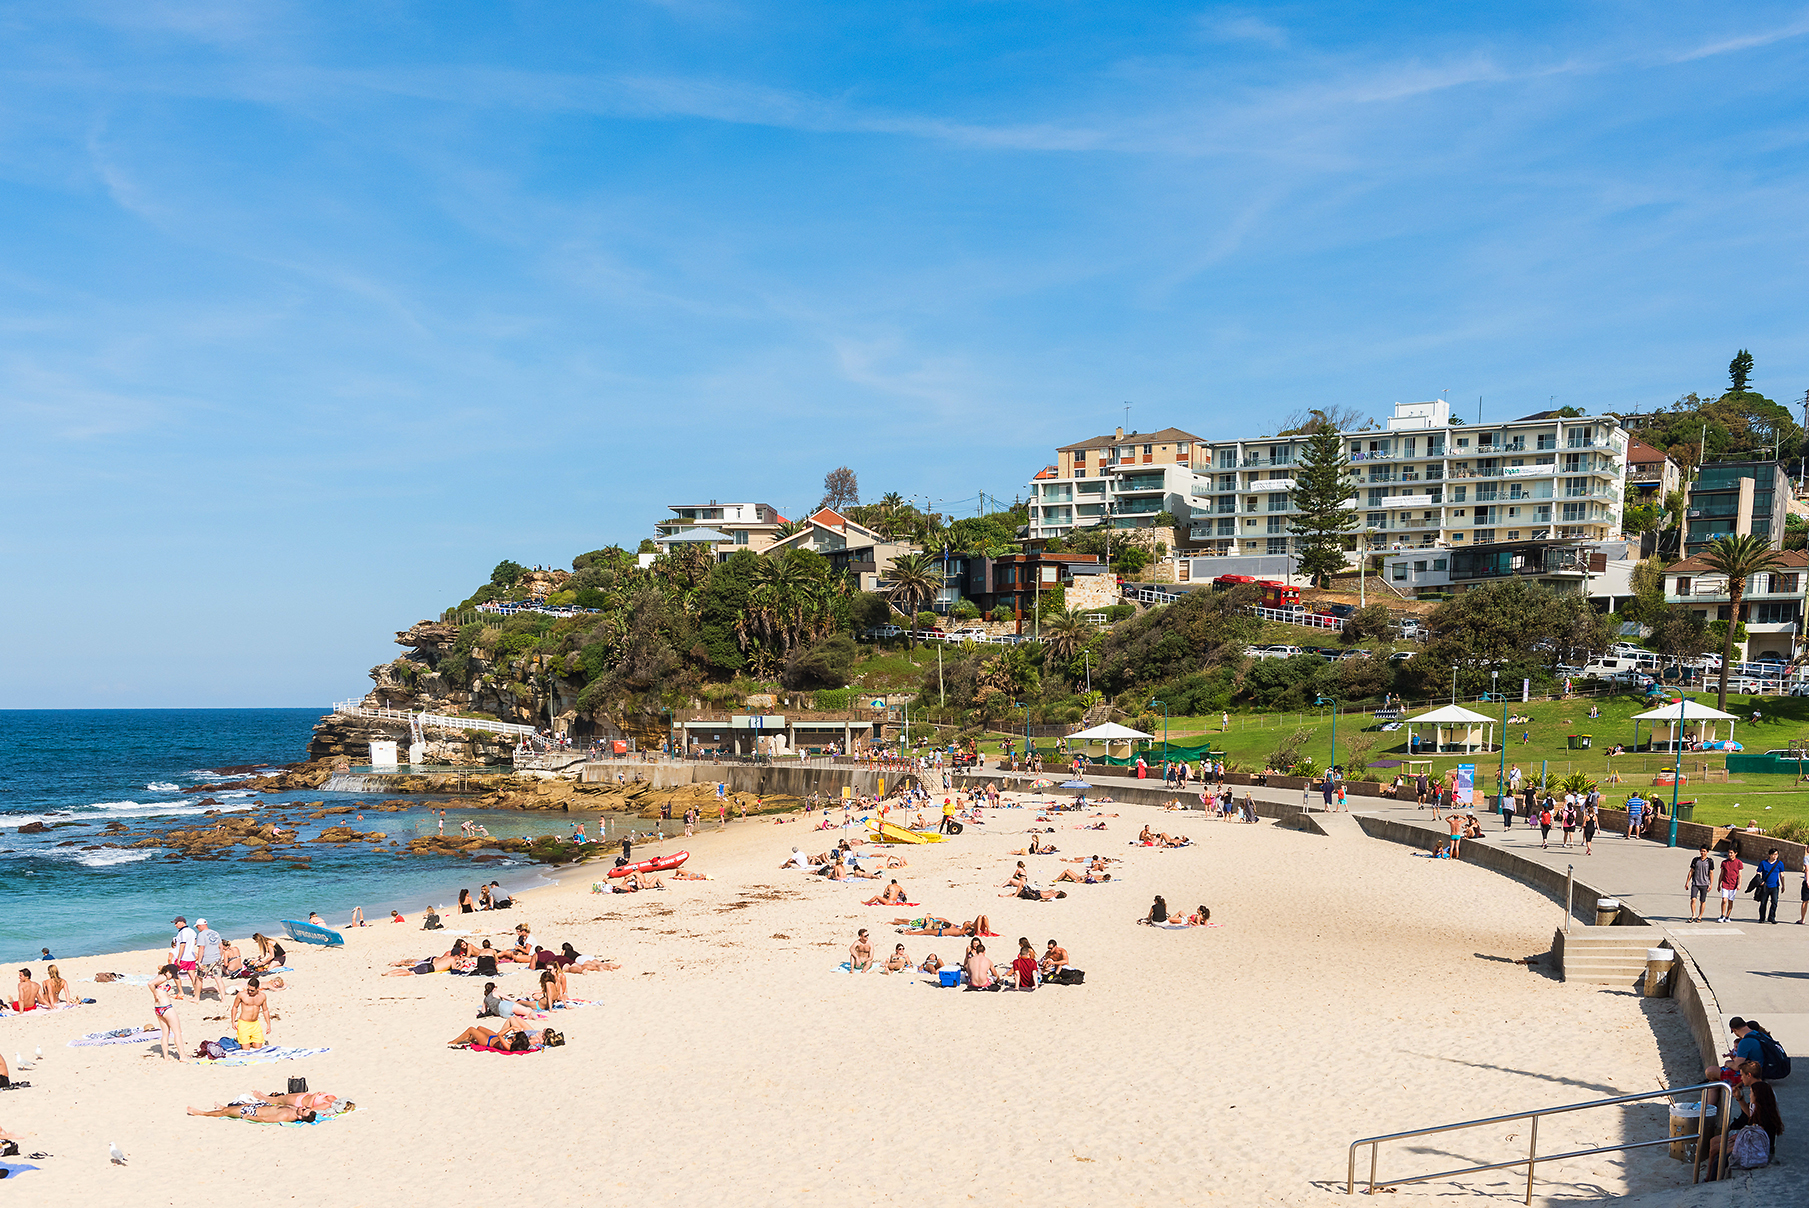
(429, 964)
(898, 962)
(931, 964)
(1089, 878)
(931, 925)
(896, 861)
(1201, 917)
(1032, 894)
(891, 895)
(259, 1113)
(314, 1100)
(485, 1038)
(634, 882)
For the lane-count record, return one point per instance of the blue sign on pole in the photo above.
(1466, 783)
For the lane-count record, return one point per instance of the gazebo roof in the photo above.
(1110, 731)
(1450, 715)
(1687, 710)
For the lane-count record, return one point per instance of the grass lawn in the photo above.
(892, 669)
(1253, 736)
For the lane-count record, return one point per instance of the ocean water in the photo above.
(89, 767)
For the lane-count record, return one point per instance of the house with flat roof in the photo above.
(726, 527)
(1731, 497)
(1124, 479)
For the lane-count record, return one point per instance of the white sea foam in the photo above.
(158, 786)
(106, 811)
(235, 793)
(111, 855)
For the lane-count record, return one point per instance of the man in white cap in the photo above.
(210, 962)
(184, 948)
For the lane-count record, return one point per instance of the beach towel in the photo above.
(484, 1048)
(572, 1004)
(139, 1035)
(894, 903)
(14, 1169)
(327, 1117)
(848, 967)
(264, 1056)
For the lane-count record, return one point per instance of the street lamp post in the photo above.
(1500, 776)
(1087, 658)
(1333, 761)
(1683, 703)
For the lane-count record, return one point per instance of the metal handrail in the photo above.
(353, 708)
(1532, 1158)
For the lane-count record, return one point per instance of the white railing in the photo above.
(1149, 595)
(353, 708)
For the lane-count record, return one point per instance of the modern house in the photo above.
(1124, 478)
(1602, 570)
(1008, 586)
(1736, 497)
(1772, 608)
(748, 526)
(848, 546)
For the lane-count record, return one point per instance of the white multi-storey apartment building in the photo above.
(1422, 482)
(1126, 478)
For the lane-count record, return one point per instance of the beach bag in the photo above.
(1069, 977)
(1751, 1148)
(486, 967)
(298, 1086)
(210, 1050)
(1773, 1060)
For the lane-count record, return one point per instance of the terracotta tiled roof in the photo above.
(1641, 453)
(1790, 559)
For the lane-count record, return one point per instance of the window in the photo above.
(1278, 524)
(1776, 612)
(1683, 585)
(1079, 472)
(1485, 536)
(1572, 512)
(740, 536)
(1227, 482)
(1146, 449)
(1227, 527)
(1183, 451)
(1463, 442)
(1227, 458)
(1458, 513)
(1278, 545)
(1438, 564)
(1782, 584)
(1458, 493)
(1400, 571)
(1419, 568)
(1278, 501)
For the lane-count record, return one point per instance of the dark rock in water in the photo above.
(33, 828)
(94, 847)
(257, 857)
(68, 843)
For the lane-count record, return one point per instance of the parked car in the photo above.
(1399, 656)
(1342, 610)
(1284, 651)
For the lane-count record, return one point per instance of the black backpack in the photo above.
(486, 966)
(1773, 1060)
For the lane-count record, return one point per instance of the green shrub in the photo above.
(1791, 830)
(835, 700)
(561, 599)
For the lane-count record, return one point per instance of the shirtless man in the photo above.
(251, 1015)
(890, 896)
(26, 997)
(1036, 895)
(1055, 959)
(860, 953)
(431, 964)
(264, 1113)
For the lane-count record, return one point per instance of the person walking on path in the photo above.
(1589, 825)
(1507, 811)
(1730, 884)
(1545, 827)
(1635, 807)
(1699, 880)
(1771, 886)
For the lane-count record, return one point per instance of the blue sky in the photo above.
(311, 313)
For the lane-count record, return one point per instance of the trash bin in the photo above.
(1580, 742)
(1685, 1123)
(1686, 811)
(1606, 911)
(1658, 972)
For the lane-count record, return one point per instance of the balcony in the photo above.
(1412, 501)
(1646, 474)
(1374, 456)
(1416, 524)
(1267, 485)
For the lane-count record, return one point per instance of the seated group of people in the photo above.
(1755, 1103)
(55, 992)
(512, 1037)
(1024, 972)
(1159, 914)
(483, 960)
(1018, 886)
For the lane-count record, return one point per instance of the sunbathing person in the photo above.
(486, 1038)
(1146, 835)
(890, 896)
(898, 962)
(259, 1113)
(1018, 878)
(931, 964)
(930, 925)
(1032, 894)
(979, 969)
(56, 989)
(634, 882)
(430, 964)
(1055, 959)
(315, 1100)
(552, 989)
(1088, 878)
(860, 953)
(502, 1006)
(1201, 917)
(575, 963)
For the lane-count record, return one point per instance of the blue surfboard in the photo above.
(308, 933)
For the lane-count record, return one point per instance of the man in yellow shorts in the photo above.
(251, 1015)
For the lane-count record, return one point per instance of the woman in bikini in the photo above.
(163, 1002)
(56, 990)
(892, 895)
(1019, 878)
(898, 962)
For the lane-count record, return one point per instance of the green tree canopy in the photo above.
(1320, 518)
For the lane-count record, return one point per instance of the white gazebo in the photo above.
(1682, 714)
(1458, 720)
(1116, 737)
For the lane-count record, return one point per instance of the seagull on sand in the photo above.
(116, 1153)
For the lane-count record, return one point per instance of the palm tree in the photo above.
(1739, 557)
(915, 580)
(1063, 637)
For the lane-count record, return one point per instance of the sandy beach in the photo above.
(1347, 990)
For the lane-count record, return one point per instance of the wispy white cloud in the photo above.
(1233, 25)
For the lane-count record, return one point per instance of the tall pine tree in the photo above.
(1320, 517)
